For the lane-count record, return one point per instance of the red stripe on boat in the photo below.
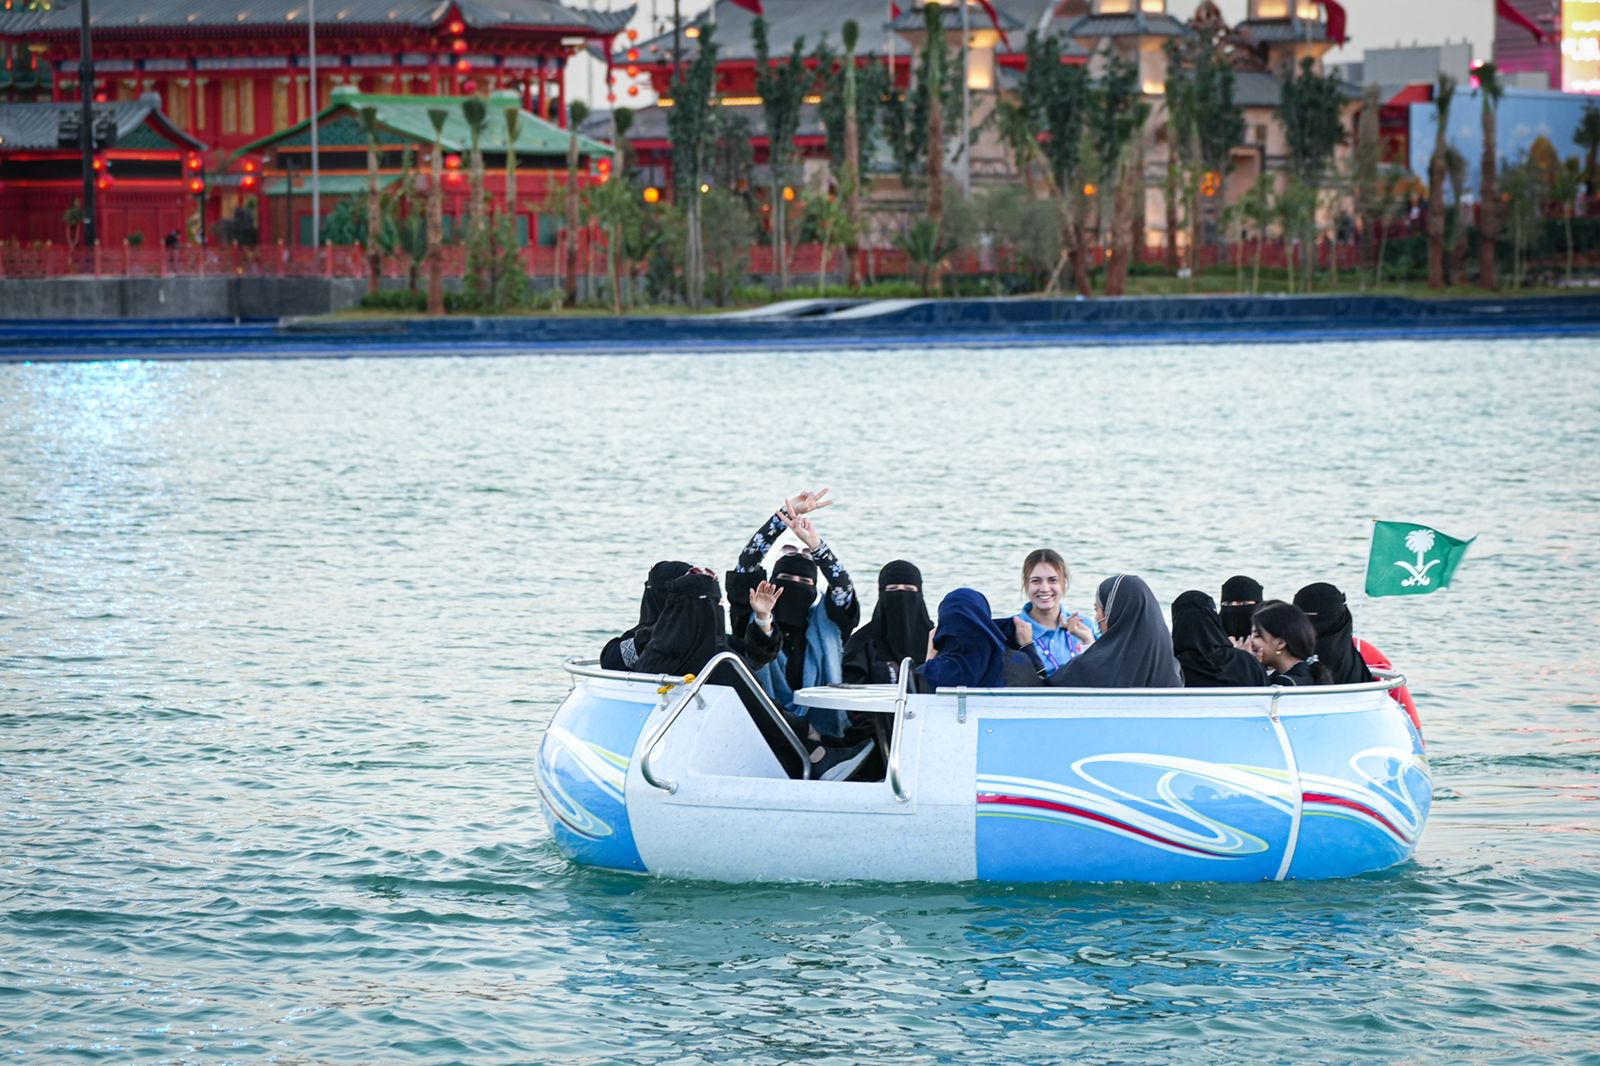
(1079, 812)
(1340, 801)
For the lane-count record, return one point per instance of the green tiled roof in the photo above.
(407, 118)
(327, 185)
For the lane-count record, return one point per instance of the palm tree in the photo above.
(513, 117)
(437, 116)
(1257, 206)
(1456, 263)
(1438, 168)
(369, 126)
(576, 113)
(1492, 88)
(1588, 136)
(476, 113)
(1564, 190)
(1367, 161)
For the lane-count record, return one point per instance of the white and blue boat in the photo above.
(680, 777)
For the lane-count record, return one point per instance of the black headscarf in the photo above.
(1136, 650)
(662, 575)
(690, 630)
(1202, 648)
(1246, 590)
(900, 620)
(1336, 644)
(971, 650)
(794, 606)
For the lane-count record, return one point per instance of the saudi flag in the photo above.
(1411, 560)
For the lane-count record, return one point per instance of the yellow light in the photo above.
(705, 187)
(652, 195)
(1091, 189)
(692, 32)
(788, 192)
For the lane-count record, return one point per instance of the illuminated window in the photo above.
(280, 105)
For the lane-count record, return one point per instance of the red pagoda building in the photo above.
(231, 75)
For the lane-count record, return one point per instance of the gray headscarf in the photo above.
(1136, 651)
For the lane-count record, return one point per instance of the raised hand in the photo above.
(807, 502)
(763, 598)
(801, 527)
(1080, 629)
(1024, 631)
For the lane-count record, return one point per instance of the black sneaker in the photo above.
(837, 764)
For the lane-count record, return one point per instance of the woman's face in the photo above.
(1272, 651)
(1045, 587)
(1100, 615)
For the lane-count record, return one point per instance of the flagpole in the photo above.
(316, 162)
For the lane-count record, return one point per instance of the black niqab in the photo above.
(690, 630)
(793, 609)
(656, 586)
(900, 618)
(1136, 650)
(1336, 644)
(1204, 654)
(1246, 590)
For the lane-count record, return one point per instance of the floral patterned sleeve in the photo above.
(754, 552)
(841, 592)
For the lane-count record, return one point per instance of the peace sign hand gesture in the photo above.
(807, 502)
(800, 526)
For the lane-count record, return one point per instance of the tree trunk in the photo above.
(935, 149)
(1436, 172)
(1489, 205)
(436, 234)
(780, 226)
(1172, 214)
(611, 269)
(1129, 176)
(374, 223)
(571, 281)
(696, 260)
(1567, 222)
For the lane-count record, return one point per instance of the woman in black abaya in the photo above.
(1134, 650)
(898, 630)
(1205, 655)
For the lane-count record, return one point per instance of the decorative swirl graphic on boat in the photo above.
(1380, 796)
(1153, 814)
(606, 769)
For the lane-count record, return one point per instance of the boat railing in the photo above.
(1386, 681)
(691, 694)
(592, 668)
(902, 711)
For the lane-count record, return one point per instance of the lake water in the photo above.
(278, 641)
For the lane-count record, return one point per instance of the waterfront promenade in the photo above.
(817, 324)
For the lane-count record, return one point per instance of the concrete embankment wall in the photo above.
(186, 297)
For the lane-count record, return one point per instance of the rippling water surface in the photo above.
(278, 640)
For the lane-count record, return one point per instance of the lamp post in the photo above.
(316, 170)
(86, 114)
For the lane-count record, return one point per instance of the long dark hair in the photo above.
(1291, 625)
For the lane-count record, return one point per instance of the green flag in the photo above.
(1409, 559)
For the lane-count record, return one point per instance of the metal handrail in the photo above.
(591, 668)
(907, 667)
(692, 693)
(1387, 679)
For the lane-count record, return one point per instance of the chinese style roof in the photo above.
(650, 123)
(406, 117)
(786, 20)
(1133, 24)
(1284, 31)
(164, 16)
(913, 19)
(139, 124)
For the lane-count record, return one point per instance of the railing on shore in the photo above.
(806, 261)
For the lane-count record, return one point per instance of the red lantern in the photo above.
(457, 26)
(611, 98)
(458, 46)
(633, 71)
(197, 186)
(103, 182)
(469, 87)
(464, 65)
(249, 166)
(248, 182)
(633, 90)
(633, 35)
(633, 55)
(603, 166)
(193, 161)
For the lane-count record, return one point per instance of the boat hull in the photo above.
(1009, 785)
